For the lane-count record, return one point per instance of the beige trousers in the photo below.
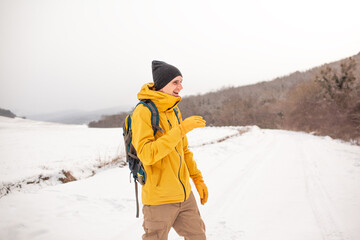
(184, 217)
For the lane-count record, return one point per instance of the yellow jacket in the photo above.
(166, 158)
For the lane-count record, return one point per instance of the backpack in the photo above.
(135, 165)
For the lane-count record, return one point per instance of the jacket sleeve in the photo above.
(148, 149)
(190, 162)
(188, 156)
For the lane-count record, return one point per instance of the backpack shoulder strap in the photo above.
(127, 133)
(154, 114)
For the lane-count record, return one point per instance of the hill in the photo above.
(324, 100)
(299, 101)
(77, 116)
(6, 113)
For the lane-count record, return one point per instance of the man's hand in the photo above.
(192, 122)
(202, 189)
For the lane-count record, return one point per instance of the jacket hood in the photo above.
(162, 100)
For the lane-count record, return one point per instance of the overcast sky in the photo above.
(87, 54)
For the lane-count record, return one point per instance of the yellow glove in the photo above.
(192, 122)
(202, 189)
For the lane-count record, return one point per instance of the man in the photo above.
(167, 197)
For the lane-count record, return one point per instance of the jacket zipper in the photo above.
(179, 166)
(179, 174)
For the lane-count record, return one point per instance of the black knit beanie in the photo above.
(163, 73)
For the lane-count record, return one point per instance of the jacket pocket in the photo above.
(159, 178)
(156, 173)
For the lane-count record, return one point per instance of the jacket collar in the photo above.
(162, 100)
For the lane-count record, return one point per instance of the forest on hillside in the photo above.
(324, 100)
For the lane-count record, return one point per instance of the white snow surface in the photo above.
(263, 184)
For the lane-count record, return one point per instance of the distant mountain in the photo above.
(77, 116)
(6, 113)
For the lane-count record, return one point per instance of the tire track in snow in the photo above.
(241, 131)
(319, 199)
(247, 173)
(237, 184)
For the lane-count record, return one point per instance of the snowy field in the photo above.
(263, 184)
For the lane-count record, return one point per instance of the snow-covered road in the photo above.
(282, 185)
(263, 184)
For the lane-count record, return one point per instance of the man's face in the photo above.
(173, 87)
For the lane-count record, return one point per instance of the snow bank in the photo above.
(32, 151)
